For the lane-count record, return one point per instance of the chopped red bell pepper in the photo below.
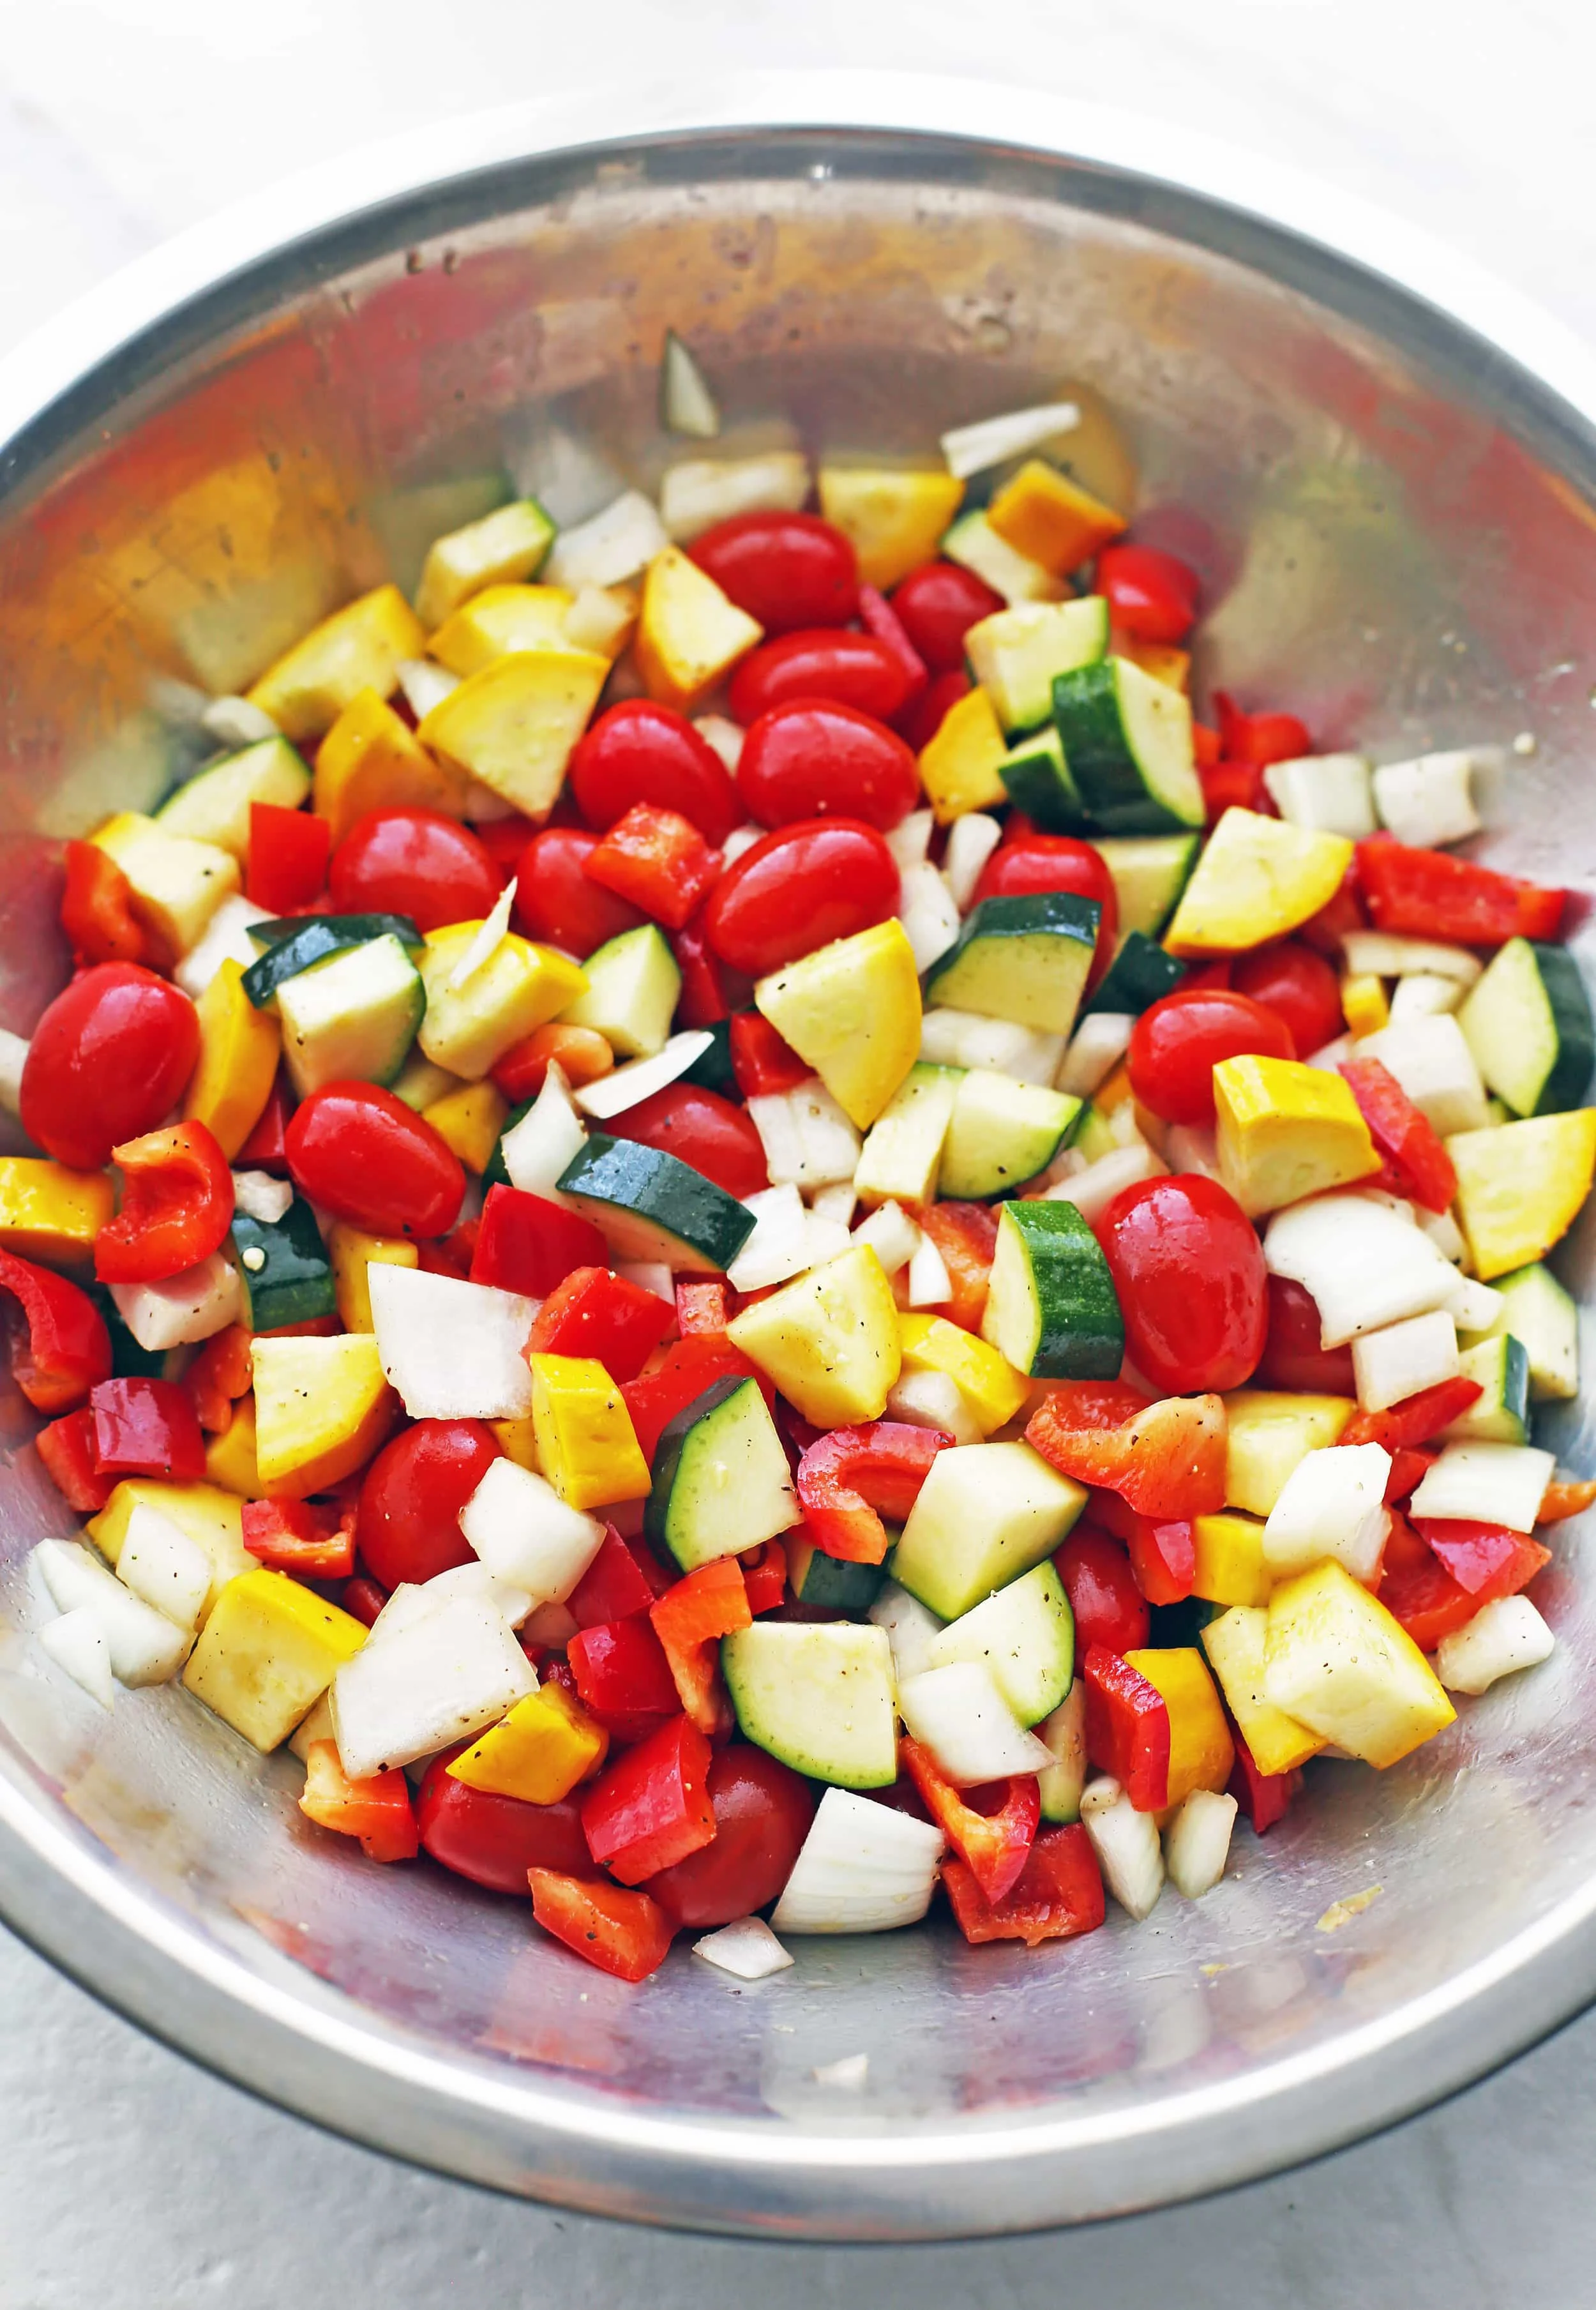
(650, 1808)
(1327, 931)
(362, 1598)
(98, 911)
(761, 1061)
(700, 1306)
(1057, 1895)
(505, 840)
(1429, 894)
(1265, 1798)
(1127, 1728)
(965, 1234)
(1477, 1555)
(1109, 1607)
(1417, 1589)
(626, 1934)
(176, 1205)
(1417, 1164)
(658, 861)
(526, 1244)
(1408, 1469)
(621, 1674)
(263, 1150)
(878, 617)
(690, 1620)
(1205, 746)
(494, 1840)
(623, 1579)
(1259, 739)
(313, 1543)
(222, 1370)
(1404, 1426)
(146, 1427)
(1565, 1499)
(1166, 1459)
(704, 999)
(288, 850)
(994, 1847)
(1163, 1555)
(66, 1447)
(376, 1809)
(68, 1348)
(765, 1578)
(690, 1365)
(849, 1479)
(1232, 786)
(604, 1317)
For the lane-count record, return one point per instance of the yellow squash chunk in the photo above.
(1287, 1131)
(1236, 1645)
(49, 1213)
(895, 519)
(1049, 518)
(504, 546)
(229, 1457)
(513, 725)
(958, 768)
(501, 621)
(1171, 666)
(469, 1120)
(1519, 1187)
(176, 884)
(828, 1341)
(1364, 1005)
(1266, 1434)
(1230, 1567)
(214, 806)
(1338, 1661)
(212, 1517)
(237, 1061)
(267, 1654)
(852, 1012)
(689, 633)
(586, 1446)
(518, 1441)
(545, 1745)
(518, 987)
(371, 759)
(351, 1252)
(321, 1409)
(1257, 879)
(358, 647)
(1201, 1752)
(989, 1384)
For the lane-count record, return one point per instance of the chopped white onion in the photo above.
(909, 841)
(1092, 1191)
(1329, 1055)
(629, 1085)
(835, 1202)
(1423, 995)
(414, 1601)
(548, 1137)
(911, 1626)
(145, 1646)
(703, 490)
(1331, 1504)
(966, 1039)
(447, 1675)
(649, 1275)
(1502, 1638)
(259, 1196)
(609, 546)
(808, 1141)
(1402, 1358)
(1363, 1264)
(13, 1058)
(746, 1948)
(76, 1642)
(489, 936)
(930, 1283)
(526, 1535)
(1445, 1233)
(164, 1568)
(1126, 1844)
(779, 1245)
(1197, 1842)
(1474, 1307)
(1192, 1147)
(425, 684)
(929, 916)
(454, 1351)
(1383, 954)
(687, 405)
(932, 1399)
(960, 1716)
(1428, 801)
(194, 1305)
(225, 938)
(237, 723)
(1096, 1048)
(1486, 1483)
(726, 736)
(599, 618)
(1435, 1067)
(971, 841)
(993, 440)
(1330, 794)
(864, 1868)
(891, 1234)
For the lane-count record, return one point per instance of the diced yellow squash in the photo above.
(1287, 1131)
(229, 1457)
(351, 1252)
(513, 725)
(419, 1082)
(539, 1752)
(829, 1341)
(499, 623)
(469, 1120)
(1236, 1645)
(499, 550)
(210, 1516)
(1231, 1565)
(1338, 1662)
(49, 1213)
(237, 1061)
(518, 1441)
(852, 1012)
(894, 518)
(586, 1446)
(214, 806)
(1165, 664)
(689, 634)
(1049, 518)
(959, 767)
(989, 1384)
(317, 1726)
(358, 647)
(372, 760)
(268, 1652)
(1363, 1006)
(518, 987)
(177, 883)
(321, 1409)
(1267, 1433)
(1519, 1187)
(1201, 1752)
(1257, 879)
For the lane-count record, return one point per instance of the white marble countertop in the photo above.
(126, 2178)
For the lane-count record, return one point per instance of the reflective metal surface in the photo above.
(1395, 522)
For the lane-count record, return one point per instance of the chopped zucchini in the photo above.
(1000, 1133)
(830, 1583)
(633, 983)
(1501, 1414)
(819, 1698)
(285, 1267)
(1022, 958)
(713, 1066)
(1128, 741)
(1538, 1311)
(901, 1154)
(986, 1513)
(973, 542)
(1520, 1185)
(1141, 972)
(1016, 655)
(295, 945)
(1051, 1310)
(1025, 1635)
(1036, 778)
(214, 806)
(1148, 875)
(651, 1205)
(1527, 1022)
(352, 1017)
(502, 549)
(721, 1481)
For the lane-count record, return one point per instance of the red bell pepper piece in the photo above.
(176, 1205)
(1166, 1460)
(623, 1579)
(700, 1307)
(1417, 1164)
(1563, 1499)
(1205, 745)
(1417, 1589)
(965, 1234)
(376, 1809)
(848, 1479)
(621, 1674)
(627, 1934)
(288, 850)
(494, 1840)
(1326, 932)
(1127, 1728)
(704, 999)
(765, 1578)
(1232, 786)
(525, 1243)
(1404, 1426)
(1057, 1895)
(66, 1447)
(506, 838)
(1429, 894)
(657, 860)
(1109, 1607)
(222, 1370)
(362, 1598)
(690, 1620)
(1259, 739)
(263, 1150)
(1265, 1798)
(878, 617)
(994, 1847)
(98, 909)
(1477, 1555)
(690, 1365)
(595, 1314)
(313, 1543)
(650, 1808)
(1408, 1472)
(761, 1061)
(1163, 1555)
(68, 1348)
(146, 1427)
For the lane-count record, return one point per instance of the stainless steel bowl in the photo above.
(1393, 516)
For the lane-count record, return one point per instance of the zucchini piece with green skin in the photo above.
(1038, 782)
(1527, 1019)
(986, 1513)
(1541, 1315)
(651, 1205)
(721, 1480)
(1052, 1309)
(1148, 875)
(1017, 654)
(1025, 1635)
(213, 806)
(1000, 1133)
(633, 986)
(352, 1017)
(128, 1359)
(1027, 959)
(1501, 1415)
(827, 1582)
(496, 1175)
(712, 1070)
(1128, 741)
(285, 1268)
(1141, 974)
(1061, 1784)
(298, 944)
(904, 1146)
(818, 1697)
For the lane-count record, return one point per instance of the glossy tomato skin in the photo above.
(799, 888)
(1298, 985)
(762, 1815)
(816, 760)
(1176, 1043)
(416, 862)
(1188, 1268)
(556, 900)
(495, 1840)
(108, 1061)
(368, 1157)
(408, 1525)
(1292, 1356)
(857, 670)
(786, 570)
(1109, 1608)
(920, 722)
(1035, 863)
(1151, 593)
(937, 605)
(702, 1128)
(643, 752)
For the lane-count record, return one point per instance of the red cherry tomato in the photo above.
(108, 1061)
(408, 1524)
(1296, 984)
(1150, 595)
(1175, 1044)
(416, 862)
(798, 888)
(556, 900)
(699, 1127)
(762, 1815)
(786, 570)
(1056, 862)
(368, 1157)
(641, 752)
(1188, 1267)
(495, 1840)
(857, 670)
(937, 605)
(1292, 1357)
(1109, 1608)
(920, 722)
(816, 760)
